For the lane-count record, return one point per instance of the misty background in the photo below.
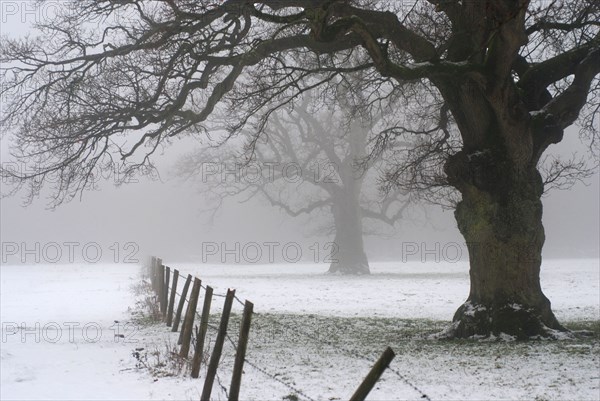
(165, 218)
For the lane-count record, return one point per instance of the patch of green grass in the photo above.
(285, 335)
(591, 326)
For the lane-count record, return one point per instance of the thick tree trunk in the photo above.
(350, 257)
(500, 216)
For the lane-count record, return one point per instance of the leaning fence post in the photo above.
(153, 273)
(240, 355)
(185, 320)
(165, 294)
(201, 335)
(172, 298)
(218, 347)
(161, 284)
(188, 323)
(186, 286)
(374, 374)
(155, 285)
(157, 263)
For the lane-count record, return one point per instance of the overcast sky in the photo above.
(164, 218)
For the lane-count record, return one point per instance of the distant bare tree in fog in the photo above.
(504, 78)
(310, 159)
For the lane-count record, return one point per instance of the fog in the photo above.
(165, 217)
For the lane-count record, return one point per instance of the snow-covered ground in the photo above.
(412, 290)
(61, 328)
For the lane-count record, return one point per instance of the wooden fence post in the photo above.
(157, 262)
(369, 382)
(156, 281)
(185, 320)
(218, 347)
(201, 335)
(160, 277)
(186, 286)
(188, 323)
(166, 291)
(240, 355)
(153, 273)
(172, 298)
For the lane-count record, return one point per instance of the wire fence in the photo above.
(336, 347)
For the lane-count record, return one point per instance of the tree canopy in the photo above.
(162, 68)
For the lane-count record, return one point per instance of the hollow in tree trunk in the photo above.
(500, 217)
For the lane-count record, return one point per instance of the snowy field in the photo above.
(68, 333)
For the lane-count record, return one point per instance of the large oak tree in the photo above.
(120, 78)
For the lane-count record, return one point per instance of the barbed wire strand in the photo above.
(350, 353)
(273, 377)
(270, 375)
(223, 388)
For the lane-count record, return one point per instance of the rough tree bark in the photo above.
(500, 214)
(500, 217)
